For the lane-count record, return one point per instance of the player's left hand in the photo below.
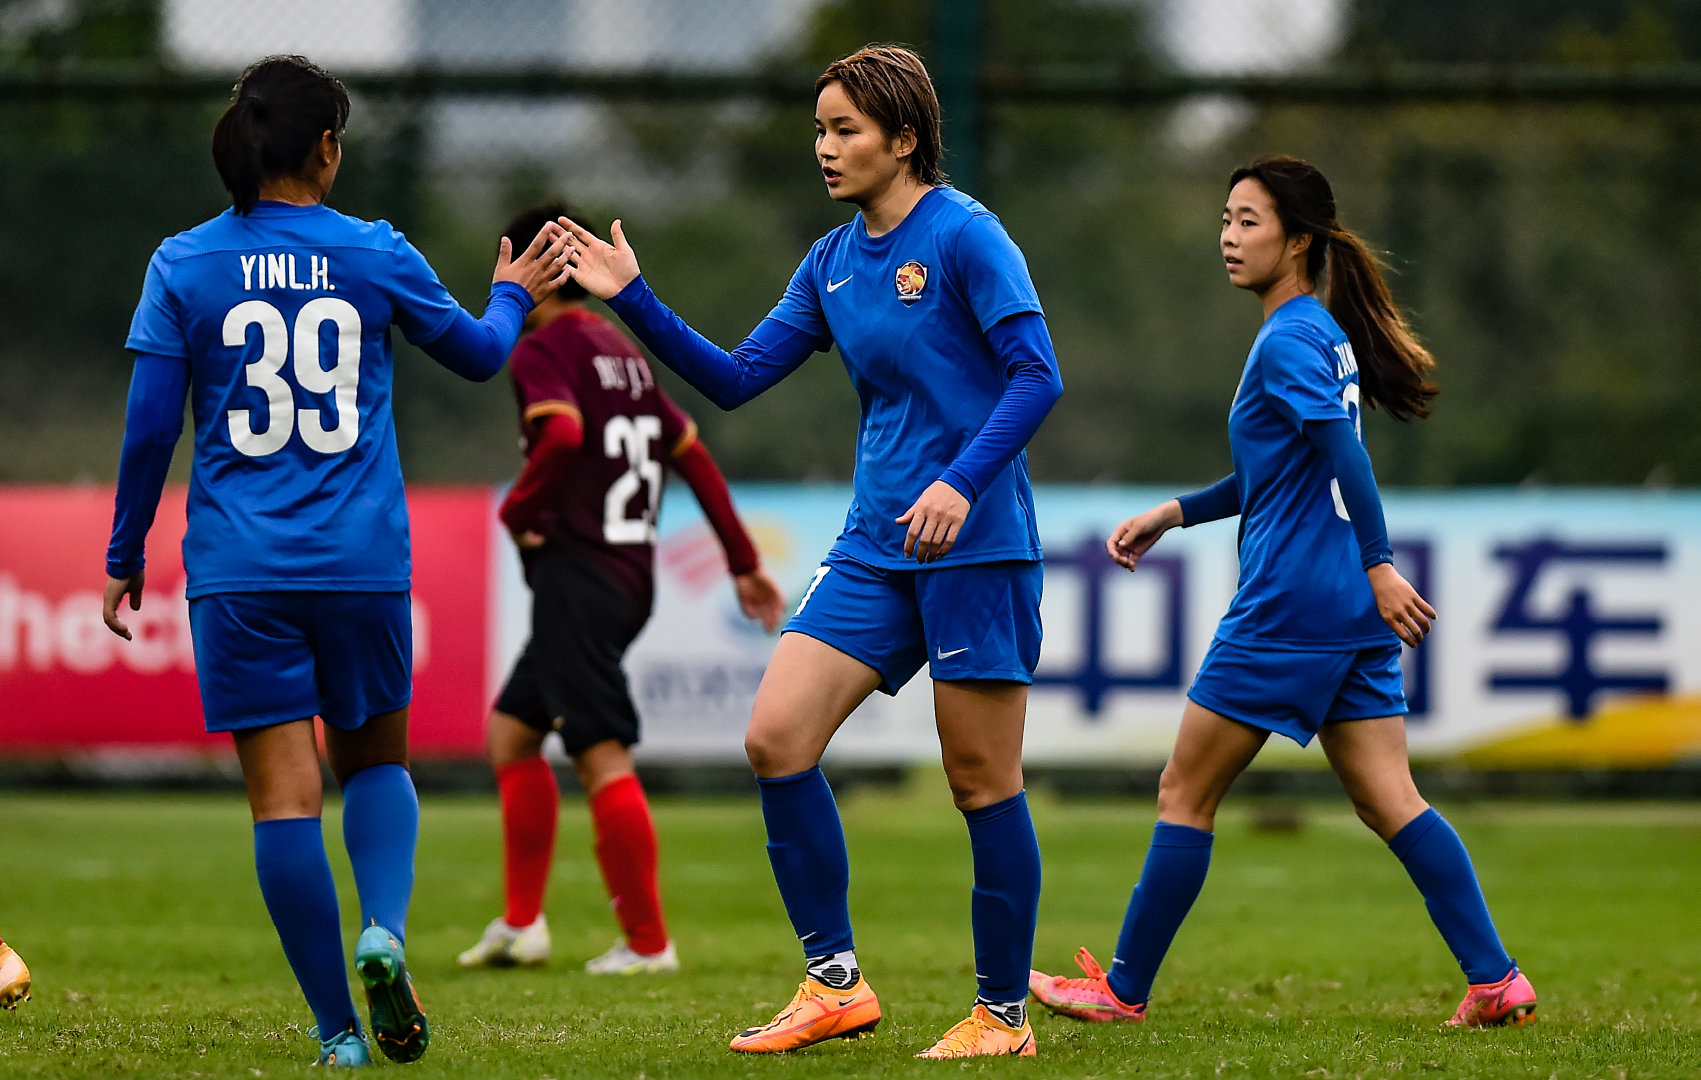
(934, 522)
(761, 598)
(1406, 613)
(116, 590)
(527, 540)
(542, 268)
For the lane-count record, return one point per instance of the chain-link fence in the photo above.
(1525, 165)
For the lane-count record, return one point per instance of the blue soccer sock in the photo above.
(1005, 902)
(806, 845)
(1440, 867)
(295, 881)
(1173, 875)
(380, 830)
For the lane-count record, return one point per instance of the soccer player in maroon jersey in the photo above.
(597, 432)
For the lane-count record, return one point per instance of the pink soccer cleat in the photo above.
(1085, 999)
(1512, 1000)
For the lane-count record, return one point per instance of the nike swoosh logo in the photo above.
(943, 655)
(833, 286)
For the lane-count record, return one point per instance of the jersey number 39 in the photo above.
(341, 379)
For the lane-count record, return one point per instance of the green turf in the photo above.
(1309, 954)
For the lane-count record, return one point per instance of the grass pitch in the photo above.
(1309, 954)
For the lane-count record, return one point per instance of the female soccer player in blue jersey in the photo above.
(932, 309)
(274, 320)
(1311, 644)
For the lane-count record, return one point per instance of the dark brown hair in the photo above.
(1393, 367)
(526, 224)
(889, 84)
(279, 108)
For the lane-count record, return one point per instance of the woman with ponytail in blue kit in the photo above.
(273, 321)
(1311, 643)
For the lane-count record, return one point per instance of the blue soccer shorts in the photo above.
(271, 657)
(1295, 693)
(975, 621)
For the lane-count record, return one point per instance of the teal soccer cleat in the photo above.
(347, 1050)
(398, 1019)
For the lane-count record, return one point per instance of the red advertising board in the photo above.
(68, 684)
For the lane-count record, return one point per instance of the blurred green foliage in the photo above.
(1542, 249)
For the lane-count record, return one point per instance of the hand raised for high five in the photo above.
(602, 269)
(541, 268)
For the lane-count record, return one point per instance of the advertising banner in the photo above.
(1568, 632)
(67, 684)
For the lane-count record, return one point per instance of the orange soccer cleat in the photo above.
(983, 1035)
(1089, 999)
(817, 1013)
(1512, 1001)
(14, 978)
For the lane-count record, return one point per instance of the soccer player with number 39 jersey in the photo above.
(273, 319)
(930, 305)
(598, 432)
(1310, 646)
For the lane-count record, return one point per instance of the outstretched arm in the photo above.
(771, 352)
(610, 272)
(153, 421)
(476, 348)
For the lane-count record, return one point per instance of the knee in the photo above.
(771, 750)
(1386, 813)
(977, 781)
(1184, 802)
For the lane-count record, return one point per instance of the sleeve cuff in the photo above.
(125, 569)
(955, 477)
(631, 294)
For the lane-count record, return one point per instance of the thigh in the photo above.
(806, 693)
(254, 659)
(363, 651)
(981, 621)
(1211, 750)
(582, 625)
(1370, 758)
(1279, 690)
(280, 768)
(980, 738)
(867, 614)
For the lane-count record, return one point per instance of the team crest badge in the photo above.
(912, 279)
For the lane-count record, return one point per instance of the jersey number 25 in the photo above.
(341, 379)
(629, 437)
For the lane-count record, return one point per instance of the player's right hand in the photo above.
(1406, 613)
(1134, 537)
(116, 590)
(541, 268)
(601, 269)
(760, 597)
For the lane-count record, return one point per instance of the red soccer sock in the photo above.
(626, 852)
(530, 803)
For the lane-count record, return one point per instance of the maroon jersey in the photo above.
(605, 507)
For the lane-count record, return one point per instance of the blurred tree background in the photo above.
(1540, 240)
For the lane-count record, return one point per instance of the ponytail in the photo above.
(279, 109)
(1393, 367)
